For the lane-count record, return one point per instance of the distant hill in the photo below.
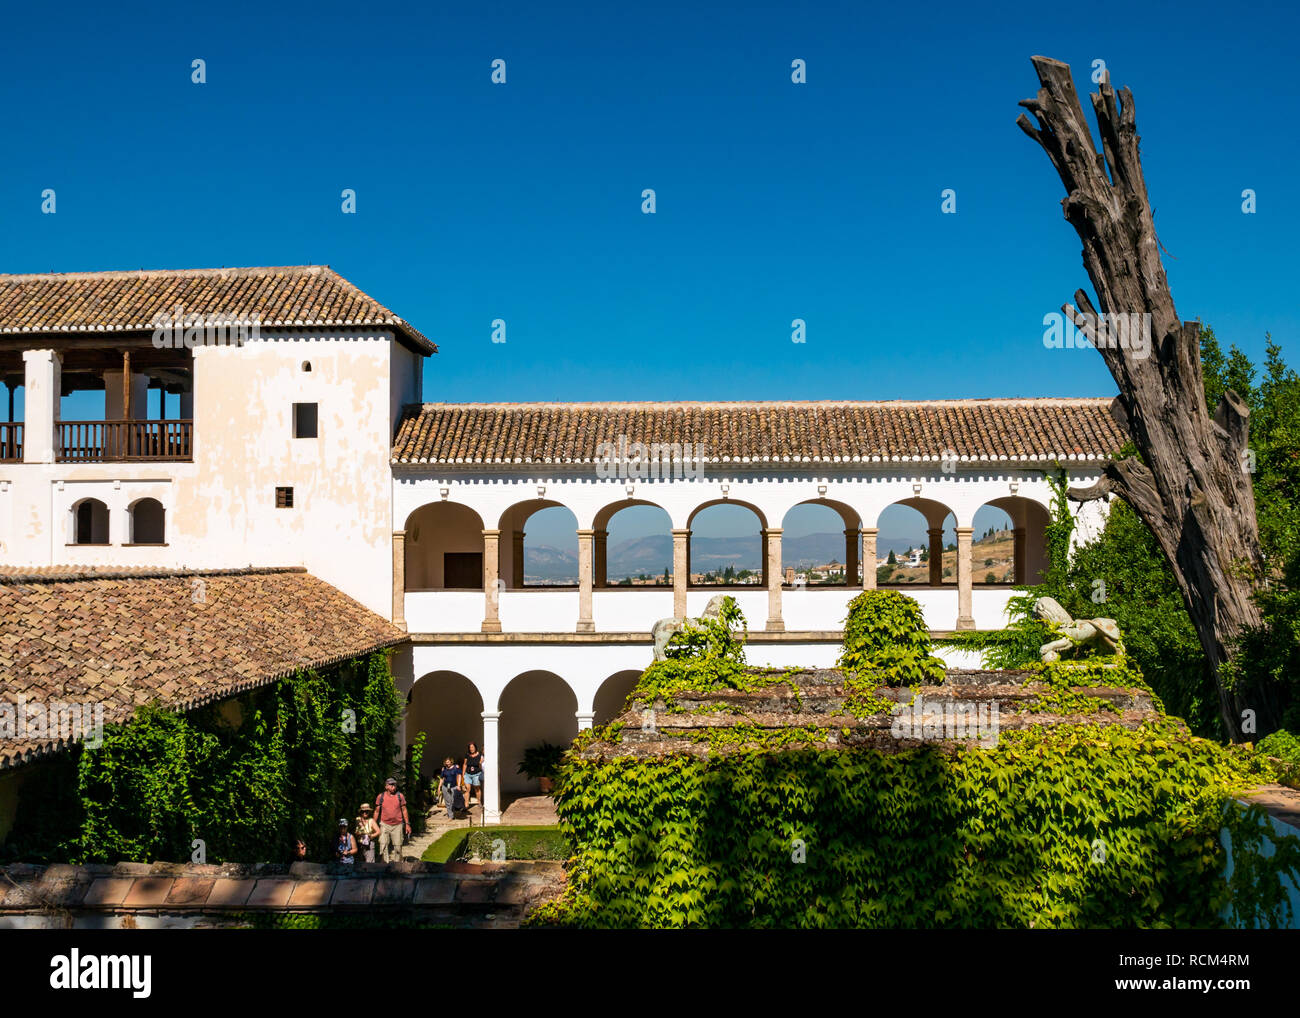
(653, 554)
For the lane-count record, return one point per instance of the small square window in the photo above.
(304, 420)
(284, 498)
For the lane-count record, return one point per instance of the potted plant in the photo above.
(543, 763)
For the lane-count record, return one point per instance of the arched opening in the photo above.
(726, 546)
(148, 522)
(536, 707)
(612, 695)
(1009, 545)
(90, 522)
(916, 544)
(444, 548)
(632, 546)
(538, 545)
(820, 544)
(448, 709)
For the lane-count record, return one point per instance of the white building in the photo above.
(308, 445)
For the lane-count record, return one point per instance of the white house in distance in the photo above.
(307, 443)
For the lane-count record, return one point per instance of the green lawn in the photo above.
(521, 842)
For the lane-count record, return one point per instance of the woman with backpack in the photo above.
(394, 821)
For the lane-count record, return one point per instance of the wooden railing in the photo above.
(116, 441)
(11, 442)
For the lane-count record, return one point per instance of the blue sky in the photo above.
(775, 201)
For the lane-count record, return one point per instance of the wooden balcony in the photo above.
(11, 442)
(124, 441)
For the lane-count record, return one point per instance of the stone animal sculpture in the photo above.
(1103, 634)
(665, 629)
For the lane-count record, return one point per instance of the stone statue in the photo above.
(665, 629)
(1103, 634)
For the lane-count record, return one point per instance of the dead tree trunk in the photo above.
(1190, 485)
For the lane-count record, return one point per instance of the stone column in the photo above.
(965, 620)
(585, 719)
(399, 579)
(491, 767)
(43, 385)
(775, 624)
(936, 556)
(491, 592)
(681, 565)
(1020, 568)
(585, 622)
(851, 541)
(601, 577)
(762, 537)
(869, 557)
(516, 560)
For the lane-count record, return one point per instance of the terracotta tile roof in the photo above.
(1038, 430)
(297, 296)
(99, 636)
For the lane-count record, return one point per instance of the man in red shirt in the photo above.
(390, 808)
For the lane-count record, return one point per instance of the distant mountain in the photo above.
(653, 554)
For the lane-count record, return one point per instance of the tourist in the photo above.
(473, 771)
(345, 849)
(367, 832)
(299, 853)
(448, 783)
(393, 822)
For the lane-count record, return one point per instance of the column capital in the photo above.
(492, 534)
(490, 715)
(681, 531)
(400, 534)
(774, 531)
(964, 531)
(586, 532)
(869, 531)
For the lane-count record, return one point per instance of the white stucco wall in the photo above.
(220, 508)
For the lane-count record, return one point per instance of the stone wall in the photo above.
(173, 895)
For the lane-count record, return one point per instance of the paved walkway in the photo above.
(524, 810)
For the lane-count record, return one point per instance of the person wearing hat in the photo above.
(367, 832)
(394, 821)
(345, 850)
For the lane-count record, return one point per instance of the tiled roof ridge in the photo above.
(81, 574)
(1023, 429)
(229, 270)
(672, 403)
(130, 300)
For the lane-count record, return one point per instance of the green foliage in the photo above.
(885, 636)
(1066, 826)
(1137, 589)
(720, 639)
(521, 842)
(246, 777)
(542, 761)
(1285, 747)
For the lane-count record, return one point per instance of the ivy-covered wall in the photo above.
(291, 760)
(734, 797)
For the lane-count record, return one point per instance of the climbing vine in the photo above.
(1061, 826)
(238, 781)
